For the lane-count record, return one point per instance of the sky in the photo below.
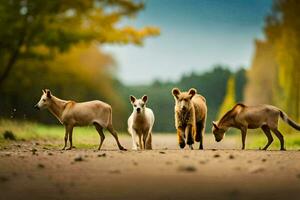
(195, 36)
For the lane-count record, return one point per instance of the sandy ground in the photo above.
(164, 173)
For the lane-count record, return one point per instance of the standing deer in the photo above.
(140, 123)
(252, 117)
(190, 117)
(71, 114)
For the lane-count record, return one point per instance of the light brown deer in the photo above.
(71, 114)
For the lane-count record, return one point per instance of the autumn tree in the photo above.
(229, 99)
(283, 30)
(240, 83)
(262, 85)
(27, 25)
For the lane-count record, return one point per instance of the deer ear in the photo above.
(192, 92)
(132, 99)
(48, 94)
(176, 92)
(215, 125)
(145, 98)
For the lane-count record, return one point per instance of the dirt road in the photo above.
(28, 170)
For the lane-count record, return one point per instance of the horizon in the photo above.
(187, 73)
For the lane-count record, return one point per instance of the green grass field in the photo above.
(292, 141)
(85, 137)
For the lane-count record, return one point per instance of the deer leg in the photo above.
(180, 137)
(200, 133)
(189, 134)
(244, 133)
(66, 137)
(144, 140)
(280, 137)
(140, 142)
(149, 140)
(267, 132)
(101, 134)
(115, 135)
(133, 136)
(70, 137)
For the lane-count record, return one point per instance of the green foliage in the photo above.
(58, 25)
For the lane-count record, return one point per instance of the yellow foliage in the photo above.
(282, 30)
(85, 73)
(262, 84)
(87, 64)
(229, 99)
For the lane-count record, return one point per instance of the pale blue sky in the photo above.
(195, 36)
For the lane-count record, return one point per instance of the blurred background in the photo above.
(230, 51)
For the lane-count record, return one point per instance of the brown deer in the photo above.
(262, 116)
(190, 117)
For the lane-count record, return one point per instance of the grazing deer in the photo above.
(190, 117)
(71, 114)
(252, 117)
(140, 123)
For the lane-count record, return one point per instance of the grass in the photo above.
(83, 137)
(291, 140)
(87, 137)
(256, 139)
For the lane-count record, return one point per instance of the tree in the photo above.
(56, 25)
(262, 86)
(240, 84)
(229, 99)
(283, 30)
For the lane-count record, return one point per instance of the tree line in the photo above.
(211, 84)
(274, 75)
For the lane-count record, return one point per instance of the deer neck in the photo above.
(57, 107)
(139, 117)
(225, 125)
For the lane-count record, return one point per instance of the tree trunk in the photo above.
(12, 60)
(8, 67)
